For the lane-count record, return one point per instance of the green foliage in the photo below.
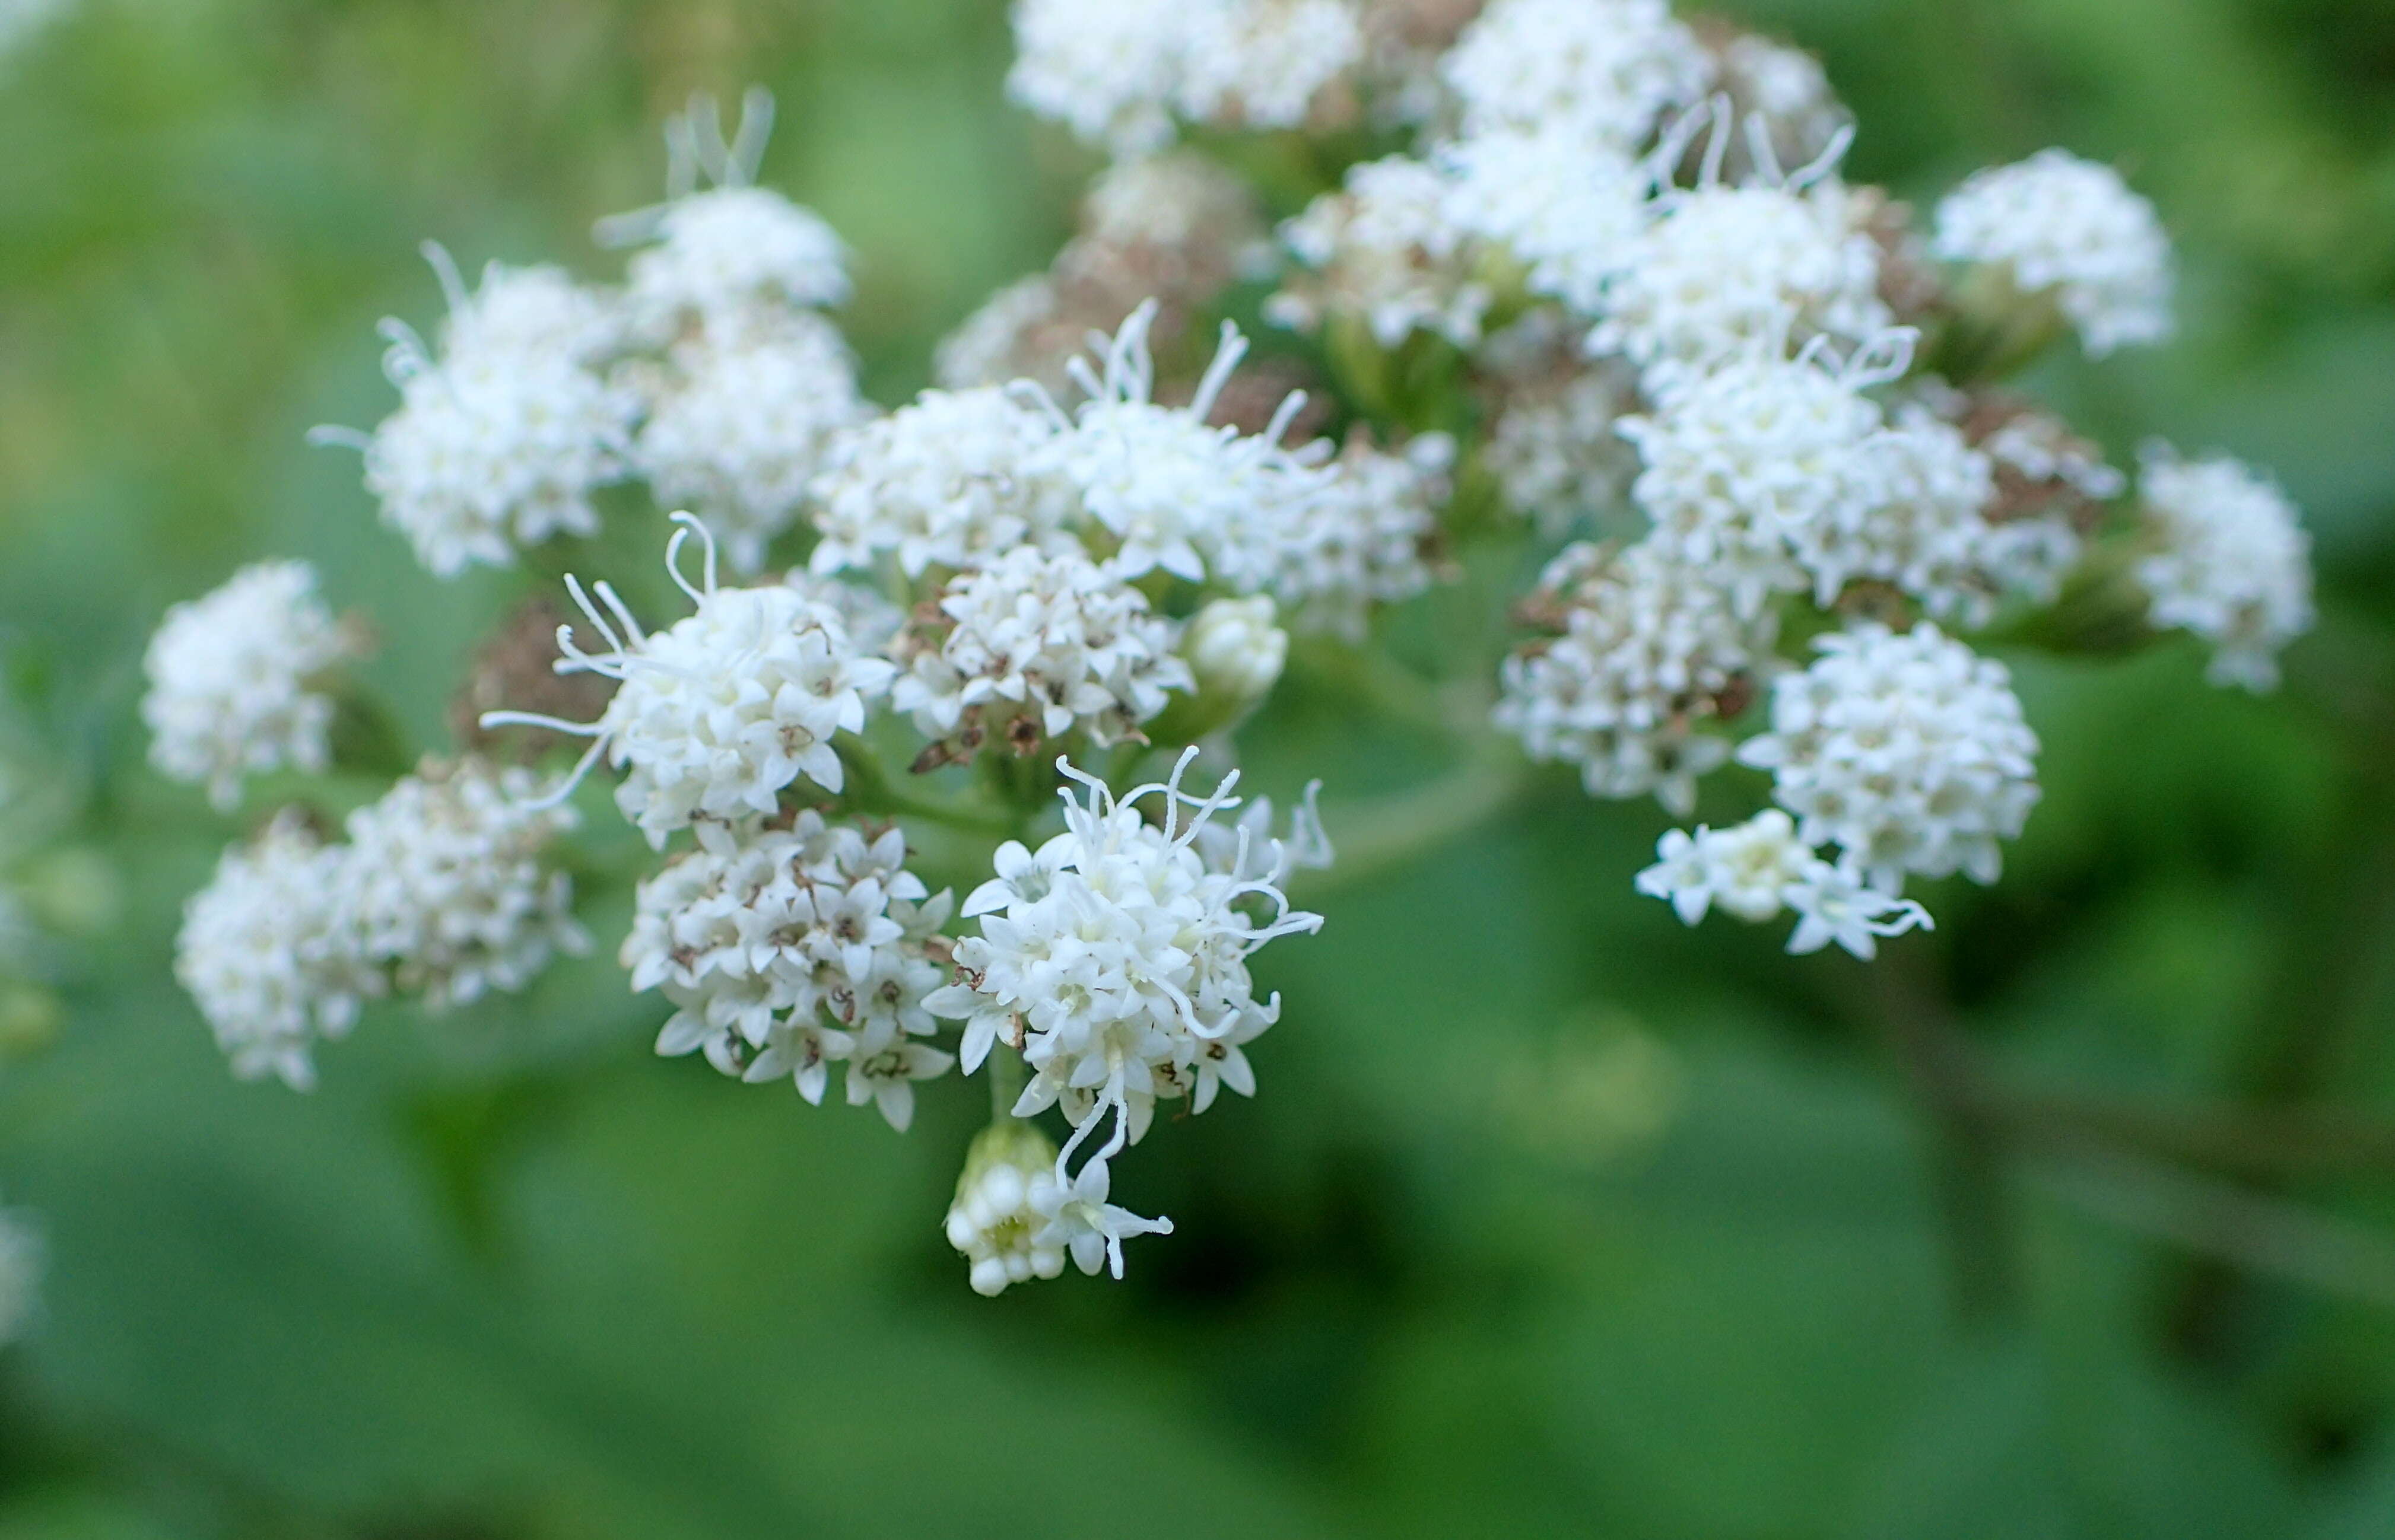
(1555, 1218)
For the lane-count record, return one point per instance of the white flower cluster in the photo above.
(231, 679)
(441, 883)
(1035, 647)
(1360, 544)
(2072, 228)
(1167, 488)
(739, 422)
(502, 437)
(1756, 870)
(1386, 248)
(715, 714)
(785, 951)
(1906, 750)
(1119, 71)
(1115, 958)
(2234, 564)
(438, 891)
(1649, 652)
(953, 479)
(1610, 68)
(708, 374)
(1570, 206)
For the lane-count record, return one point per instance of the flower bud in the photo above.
(993, 1222)
(1237, 651)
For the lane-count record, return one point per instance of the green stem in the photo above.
(868, 790)
(1007, 1073)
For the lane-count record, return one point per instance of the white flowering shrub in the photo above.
(1578, 290)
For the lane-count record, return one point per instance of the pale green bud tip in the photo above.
(1236, 649)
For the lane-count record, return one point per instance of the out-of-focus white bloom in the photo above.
(1035, 647)
(1723, 272)
(950, 480)
(21, 1255)
(1384, 249)
(1107, 68)
(501, 440)
(720, 256)
(1569, 207)
(1834, 903)
(267, 956)
(1236, 649)
(230, 676)
(1174, 492)
(1756, 870)
(538, 309)
(1554, 450)
(1116, 70)
(1924, 528)
(2073, 227)
(993, 1222)
(787, 951)
(1787, 90)
(1260, 62)
(1175, 201)
(1648, 649)
(1739, 459)
(1905, 749)
(1116, 957)
(1745, 869)
(740, 424)
(983, 349)
(1609, 67)
(871, 619)
(714, 716)
(2235, 564)
(1360, 544)
(1078, 1218)
(443, 883)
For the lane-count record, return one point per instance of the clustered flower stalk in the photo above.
(1597, 302)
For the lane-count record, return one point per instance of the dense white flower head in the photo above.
(1924, 529)
(1386, 250)
(1107, 68)
(740, 422)
(1115, 955)
(1738, 460)
(1360, 544)
(951, 479)
(1905, 749)
(1756, 870)
(994, 1222)
(1033, 647)
(1117, 71)
(1611, 67)
(714, 716)
(1173, 491)
(1554, 450)
(1260, 62)
(1649, 650)
(230, 676)
(720, 255)
(539, 309)
(267, 956)
(501, 440)
(785, 951)
(443, 883)
(2073, 227)
(1569, 207)
(2235, 564)
(1722, 272)
(20, 1275)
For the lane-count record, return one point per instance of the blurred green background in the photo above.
(1553, 1217)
